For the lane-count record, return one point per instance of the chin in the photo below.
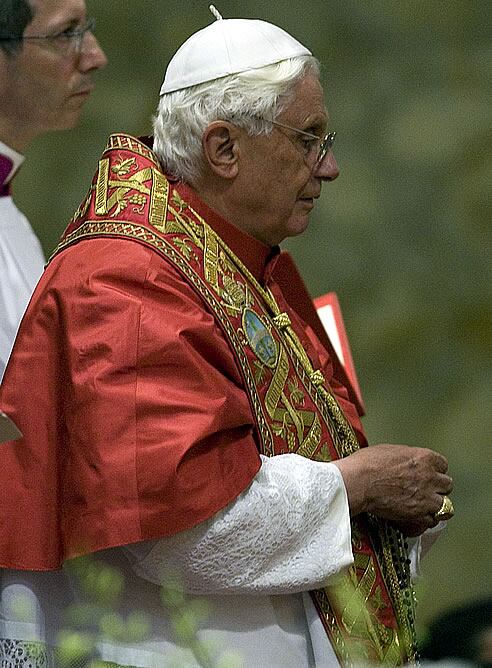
(69, 121)
(297, 225)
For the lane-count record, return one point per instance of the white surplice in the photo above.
(21, 264)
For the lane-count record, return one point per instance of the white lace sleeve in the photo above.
(288, 532)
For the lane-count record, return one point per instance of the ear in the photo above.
(220, 143)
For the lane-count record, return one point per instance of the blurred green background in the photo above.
(402, 236)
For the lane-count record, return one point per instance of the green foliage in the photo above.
(187, 615)
(73, 647)
(102, 583)
(101, 587)
(98, 619)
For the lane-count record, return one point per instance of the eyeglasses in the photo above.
(69, 42)
(324, 144)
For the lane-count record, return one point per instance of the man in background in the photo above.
(47, 56)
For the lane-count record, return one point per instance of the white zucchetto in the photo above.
(228, 46)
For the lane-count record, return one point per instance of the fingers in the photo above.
(436, 505)
(412, 528)
(429, 520)
(440, 462)
(408, 484)
(397, 482)
(444, 484)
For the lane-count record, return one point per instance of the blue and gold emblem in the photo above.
(259, 338)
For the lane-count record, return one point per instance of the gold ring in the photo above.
(446, 511)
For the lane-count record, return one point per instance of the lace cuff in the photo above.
(23, 654)
(288, 532)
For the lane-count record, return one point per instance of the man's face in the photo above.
(45, 84)
(280, 178)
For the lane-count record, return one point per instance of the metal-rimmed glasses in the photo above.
(68, 41)
(324, 143)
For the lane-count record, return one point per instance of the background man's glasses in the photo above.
(69, 42)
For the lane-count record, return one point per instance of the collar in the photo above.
(10, 161)
(259, 258)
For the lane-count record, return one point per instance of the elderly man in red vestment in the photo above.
(188, 420)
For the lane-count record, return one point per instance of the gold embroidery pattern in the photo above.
(277, 384)
(310, 444)
(158, 200)
(83, 208)
(211, 260)
(102, 187)
(133, 145)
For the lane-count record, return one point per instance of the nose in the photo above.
(327, 169)
(92, 57)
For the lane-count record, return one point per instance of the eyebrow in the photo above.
(66, 25)
(61, 24)
(316, 122)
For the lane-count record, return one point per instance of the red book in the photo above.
(330, 314)
(8, 430)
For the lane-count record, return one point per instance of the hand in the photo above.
(413, 528)
(397, 482)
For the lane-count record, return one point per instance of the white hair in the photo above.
(243, 99)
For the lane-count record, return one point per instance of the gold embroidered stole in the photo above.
(369, 612)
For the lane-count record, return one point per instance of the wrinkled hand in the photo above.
(414, 528)
(397, 482)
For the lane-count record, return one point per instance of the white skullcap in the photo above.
(228, 46)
